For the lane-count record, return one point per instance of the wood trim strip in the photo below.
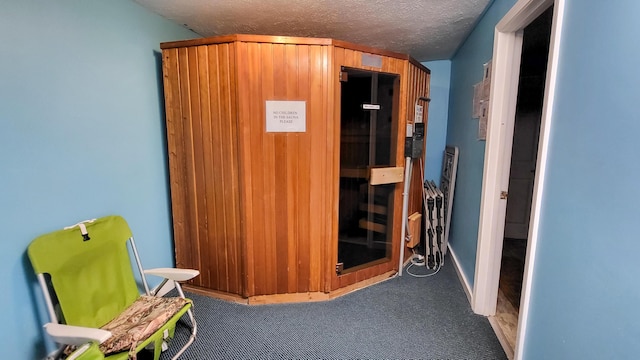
(197, 42)
(311, 296)
(332, 168)
(275, 39)
(419, 65)
(368, 49)
(269, 39)
(215, 294)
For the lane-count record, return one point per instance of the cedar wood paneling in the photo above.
(202, 146)
(285, 175)
(257, 212)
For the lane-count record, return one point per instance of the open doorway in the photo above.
(507, 51)
(533, 68)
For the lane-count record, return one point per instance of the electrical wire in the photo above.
(420, 275)
(413, 263)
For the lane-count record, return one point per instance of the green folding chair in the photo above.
(92, 297)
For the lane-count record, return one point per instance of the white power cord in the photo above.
(418, 261)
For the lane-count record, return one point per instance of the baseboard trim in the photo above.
(463, 279)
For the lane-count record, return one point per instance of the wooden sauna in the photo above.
(274, 144)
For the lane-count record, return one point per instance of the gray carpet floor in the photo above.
(401, 318)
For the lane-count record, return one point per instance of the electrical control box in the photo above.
(418, 140)
(414, 142)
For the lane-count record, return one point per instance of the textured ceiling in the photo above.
(424, 29)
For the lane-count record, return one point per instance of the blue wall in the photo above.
(81, 136)
(585, 298)
(466, 70)
(438, 117)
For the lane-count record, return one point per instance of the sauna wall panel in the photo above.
(285, 174)
(202, 147)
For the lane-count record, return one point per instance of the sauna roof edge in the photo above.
(288, 40)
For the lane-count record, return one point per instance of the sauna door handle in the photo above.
(386, 175)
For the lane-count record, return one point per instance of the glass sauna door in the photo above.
(367, 141)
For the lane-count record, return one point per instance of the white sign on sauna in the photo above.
(286, 116)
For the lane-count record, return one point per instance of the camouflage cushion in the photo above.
(139, 321)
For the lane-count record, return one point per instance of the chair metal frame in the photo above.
(77, 335)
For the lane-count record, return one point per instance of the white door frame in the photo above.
(507, 48)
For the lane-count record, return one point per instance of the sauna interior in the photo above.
(286, 159)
